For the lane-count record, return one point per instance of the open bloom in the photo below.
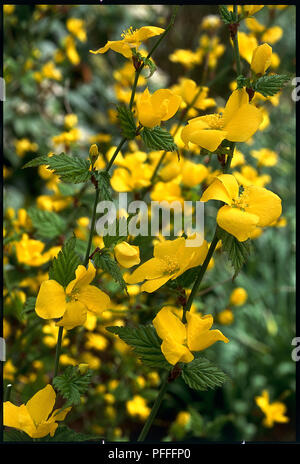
(34, 417)
(238, 123)
(274, 411)
(160, 106)
(180, 339)
(130, 39)
(242, 214)
(171, 259)
(71, 304)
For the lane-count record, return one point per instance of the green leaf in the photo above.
(103, 179)
(201, 374)
(29, 305)
(127, 122)
(105, 262)
(158, 139)
(65, 434)
(226, 15)
(145, 343)
(63, 267)
(47, 223)
(242, 82)
(69, 169)
(38, 161)
(72, 384)
(238, 252)
(15, 435)
(269, 85)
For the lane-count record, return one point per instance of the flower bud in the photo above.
(93, 153)
(261, 58)
(83, 368)
(127, 255)
(238, 297)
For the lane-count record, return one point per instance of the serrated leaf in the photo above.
(105, 262)
(127, 122)
(269, 85)
(72, 384)
(202, 374)
(70, 169)
(158, 139)
(29, 305)
(47, 223)
(103, 179)
(242, 82)
(38, 161)
(238, 252)
(63, 267)
(145, 343)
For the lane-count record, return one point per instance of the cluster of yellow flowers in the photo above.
(247, 208)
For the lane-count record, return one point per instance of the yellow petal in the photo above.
(17, 417)
(94, 299)
(168, 325)
(168, 248)
(174, 352)
(263, 203)
(74, 316)
(173, 102)
(83, 277)
(154, 268)
(146, 32)
(223, 188)
(261, 58)
(237, 99)
(152, 285)
(204, 339)
(244, 123)
(236, 222)
(209, 139)
(41, 404)
(118, 46)
(51, 300)
(59, 415)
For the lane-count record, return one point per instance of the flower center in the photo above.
(242, 201)
(172, 265)
(215, 121)
(129, 34)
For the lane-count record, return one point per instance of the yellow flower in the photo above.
(187, 58)
(255, 207)
(261, 58)
(137, 407)
(49, 71)
(251, 9)
(30, 251)
(272, 35)
(183, 418)
(249, 176)
(226, 317)
(188, 90)
(71, 51)
(193, 174)
(265, 157)
(171, 259)
(238, 297)
(179, 339)
(134, 173)
(8, 9)
(131, 39)
(24, 145)
(75, 26)
(127, 255)
(238, 123)
(71, 304)
(160, 106)
(274, 412)
(70, 120)
(210, 22)
(34, 417)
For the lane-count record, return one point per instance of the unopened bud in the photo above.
(93, 153)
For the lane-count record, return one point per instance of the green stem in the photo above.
(115, 154)
(236, 47)
(154, 410)
(58, 350)
(88, 250)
